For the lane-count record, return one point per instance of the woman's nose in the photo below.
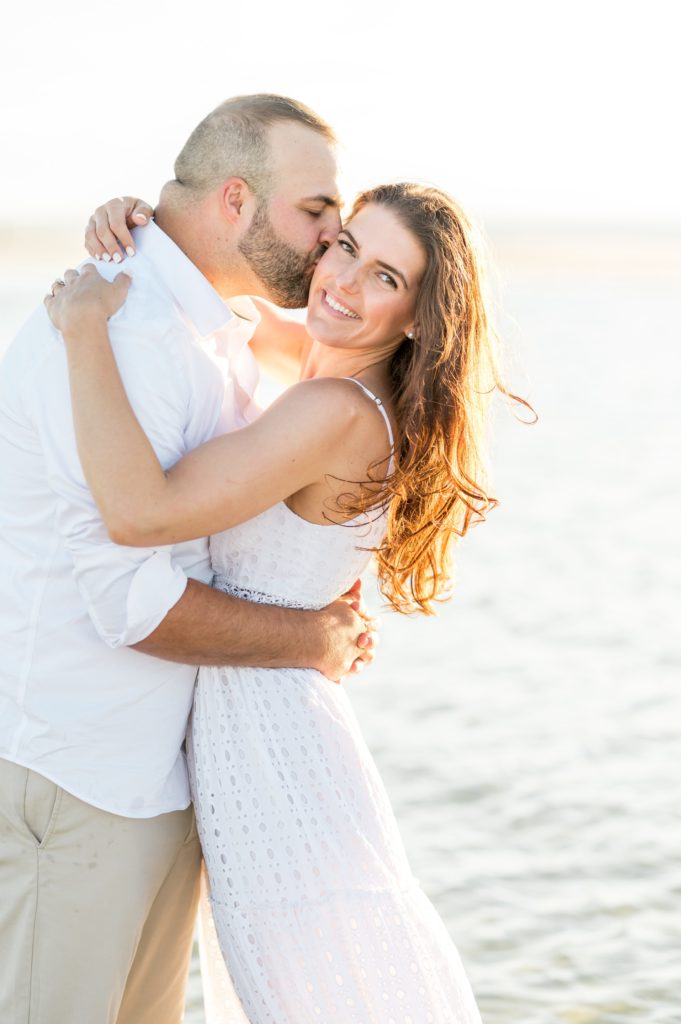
(346, 280)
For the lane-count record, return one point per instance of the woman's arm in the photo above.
(296, 442)
(280, 343)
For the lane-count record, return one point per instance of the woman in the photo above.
(376, 449)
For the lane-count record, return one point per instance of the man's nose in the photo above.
(330, 228)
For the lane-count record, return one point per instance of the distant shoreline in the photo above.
(525, 246)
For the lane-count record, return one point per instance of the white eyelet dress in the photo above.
(317, 914)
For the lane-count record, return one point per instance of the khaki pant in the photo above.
(97, 911)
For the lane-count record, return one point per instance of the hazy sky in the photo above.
(520, 109)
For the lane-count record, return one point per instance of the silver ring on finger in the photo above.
(58, 282)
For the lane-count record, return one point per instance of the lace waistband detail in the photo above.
(227, 585)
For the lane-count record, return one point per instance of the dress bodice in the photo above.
(279, 558)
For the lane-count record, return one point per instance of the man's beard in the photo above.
(285, 272)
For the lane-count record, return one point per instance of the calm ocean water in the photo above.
(529, 736)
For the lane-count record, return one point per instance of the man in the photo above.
(98, 852)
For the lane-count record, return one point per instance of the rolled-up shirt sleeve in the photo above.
(127, 591)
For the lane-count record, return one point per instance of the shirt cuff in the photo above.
(156, 587)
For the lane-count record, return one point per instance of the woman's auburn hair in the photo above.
(442, 384)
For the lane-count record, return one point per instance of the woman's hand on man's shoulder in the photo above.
(107, 233)
(79, 300)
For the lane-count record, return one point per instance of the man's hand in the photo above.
(347, 635)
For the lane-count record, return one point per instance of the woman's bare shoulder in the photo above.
(336, 408)
(338, 397)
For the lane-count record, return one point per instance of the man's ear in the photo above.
(236, 199)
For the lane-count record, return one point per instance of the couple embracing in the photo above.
(130, 433)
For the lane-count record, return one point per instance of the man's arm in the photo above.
(209, 627)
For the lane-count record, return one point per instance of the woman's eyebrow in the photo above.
(386, 266)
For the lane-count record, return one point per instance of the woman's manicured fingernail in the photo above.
(97, 256)
(117, 257)
(130, 251)
(106, 257)
(142, 217)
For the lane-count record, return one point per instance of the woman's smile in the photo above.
(337, 308)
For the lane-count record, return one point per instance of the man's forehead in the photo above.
(305, 155)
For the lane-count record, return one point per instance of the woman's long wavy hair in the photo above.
(442, 383)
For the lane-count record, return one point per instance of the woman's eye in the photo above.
(388, 279)
(345, 246)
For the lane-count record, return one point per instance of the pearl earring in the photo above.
(410, 335)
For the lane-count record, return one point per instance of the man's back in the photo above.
(76, 703)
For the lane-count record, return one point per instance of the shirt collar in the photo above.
(191, 290)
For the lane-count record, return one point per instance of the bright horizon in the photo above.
(525, 112)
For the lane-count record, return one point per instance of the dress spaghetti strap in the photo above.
(379, 405)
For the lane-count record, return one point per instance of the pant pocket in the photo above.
(41, 805)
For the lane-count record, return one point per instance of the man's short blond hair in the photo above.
(232, 142)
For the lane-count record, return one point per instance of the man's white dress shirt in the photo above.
(77, 704)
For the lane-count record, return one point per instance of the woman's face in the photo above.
(364, 289)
